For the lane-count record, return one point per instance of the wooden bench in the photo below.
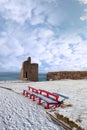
(63, 97)
(48, 97)
(30, 92)
(42, 95)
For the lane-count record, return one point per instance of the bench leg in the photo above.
(39, 101)
(33, 98)
(30, 96)
(56, 105)
(26, 94)
(23, 92)
(47, 105)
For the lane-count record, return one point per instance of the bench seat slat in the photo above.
(61, 95)
(48, 100)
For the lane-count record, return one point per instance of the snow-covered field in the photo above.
(20, 113)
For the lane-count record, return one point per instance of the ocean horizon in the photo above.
(16, 75)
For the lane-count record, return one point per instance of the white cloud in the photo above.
(70, 38)
(45, 49)
(11, 47)
(16, 10)
(38, 19)
(84, 17)
(2, 41)
(45, 33)
(65, 57)
(49, 1)
(29, 31)
(20, 11)
(33, 11)
(83, 1)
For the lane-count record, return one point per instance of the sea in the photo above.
(16, 75)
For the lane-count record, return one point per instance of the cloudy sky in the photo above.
(52, 32)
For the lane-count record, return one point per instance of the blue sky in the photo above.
(52, 32)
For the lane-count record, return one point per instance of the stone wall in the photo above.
(67, 75)
(29, 70)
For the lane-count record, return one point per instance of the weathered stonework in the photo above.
(29, 71)
(67, 75)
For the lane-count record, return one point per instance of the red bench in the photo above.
(30, 92)
(48, 97)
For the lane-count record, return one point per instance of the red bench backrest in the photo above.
(32, 89)
(49, 94)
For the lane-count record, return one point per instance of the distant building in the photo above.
(29, 70)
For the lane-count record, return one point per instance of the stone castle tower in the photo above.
(29, 71)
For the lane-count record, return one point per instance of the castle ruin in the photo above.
(75, 75)
(29, 70)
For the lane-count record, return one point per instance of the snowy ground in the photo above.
(20, 113)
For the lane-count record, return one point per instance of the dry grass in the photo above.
(67, 121)
(66, 105)
(6, 88)
(9, 89)
(78, 120)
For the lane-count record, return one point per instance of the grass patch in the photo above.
(9, 89)
(66, 105)
(6, 88)
(67, 121)
(78, 120)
